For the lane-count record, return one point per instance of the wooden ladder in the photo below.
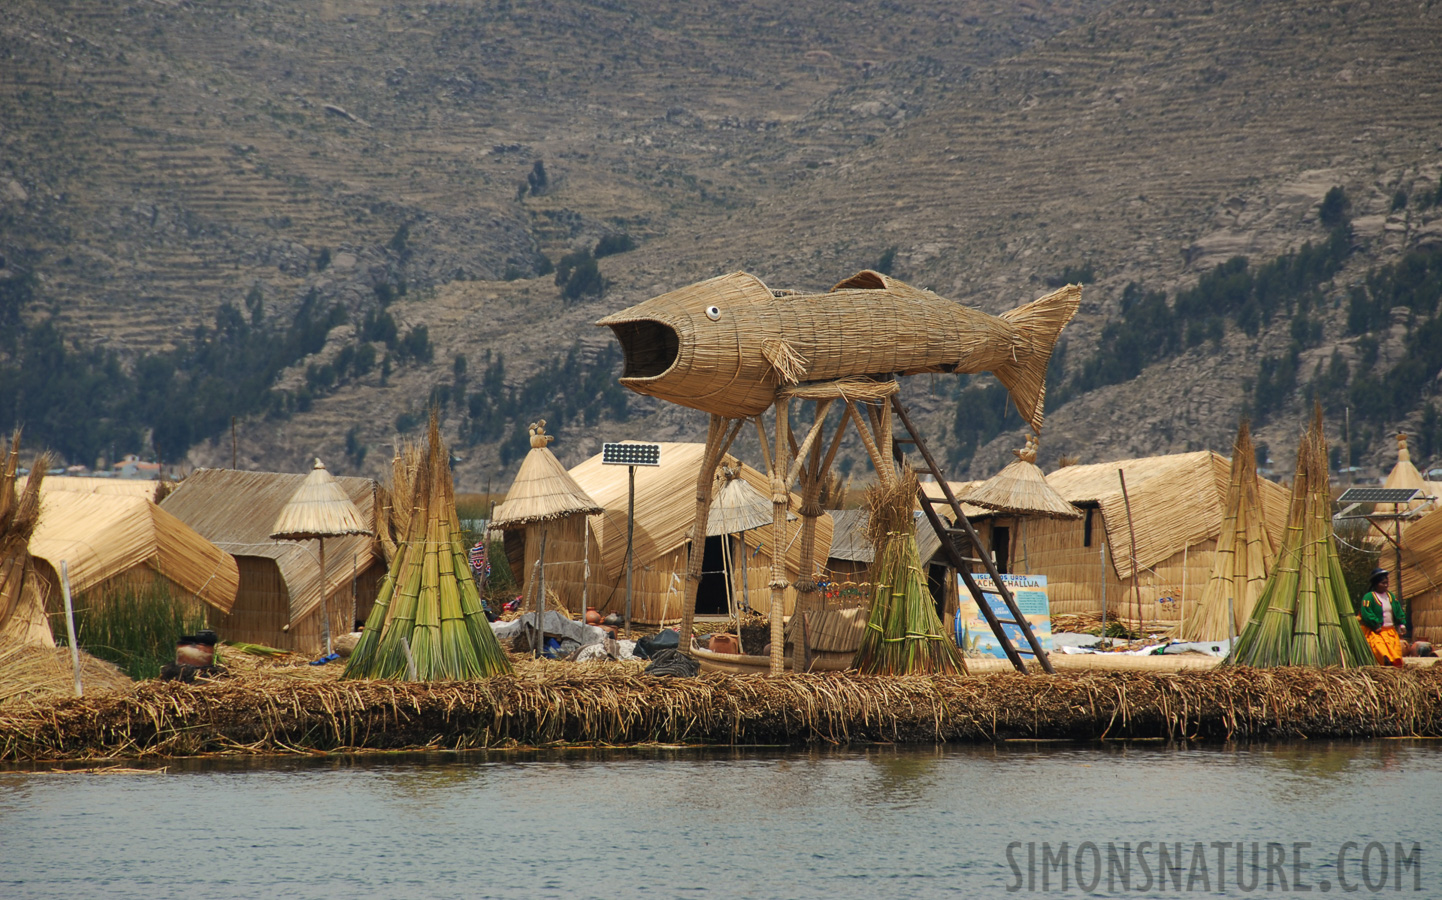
(962, 530)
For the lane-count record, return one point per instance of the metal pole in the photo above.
(630, 546)
(70, 626)
(232, 442)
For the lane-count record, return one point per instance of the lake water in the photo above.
(865, 823)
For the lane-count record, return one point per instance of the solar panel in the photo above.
(1378, 495)
(631, 454)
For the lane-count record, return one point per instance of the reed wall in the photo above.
(1077, 576)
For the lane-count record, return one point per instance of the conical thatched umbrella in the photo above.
(1021, 489)
(1304, 616)
(1243, 556)
(319, 509)
(1405, 475)
(543, 492)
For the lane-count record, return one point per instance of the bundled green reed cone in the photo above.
(903, 634)
(1304, 616)
(428, 604)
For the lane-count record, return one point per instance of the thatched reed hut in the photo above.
(279, 599)
(1422, 575)
(113, 542)
(1175, 507)
(84, 484)
(665, 507)
(544, 504)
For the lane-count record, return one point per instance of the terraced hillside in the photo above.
(160, 159)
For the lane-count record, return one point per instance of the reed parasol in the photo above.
(319, 509)
(1021, 489)
(543, 492)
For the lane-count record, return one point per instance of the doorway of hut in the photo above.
(937, 577)
(1001, 548)
(711, 592)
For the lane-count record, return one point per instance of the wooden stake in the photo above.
(1131, 529)
(70, 626)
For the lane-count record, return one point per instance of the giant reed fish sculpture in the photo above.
(726, 345)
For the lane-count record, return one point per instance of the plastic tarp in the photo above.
(556, 625)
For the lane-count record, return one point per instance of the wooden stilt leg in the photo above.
(780, 466)
(718, 441)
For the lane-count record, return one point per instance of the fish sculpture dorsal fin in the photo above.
(865, 280)
(789, 365)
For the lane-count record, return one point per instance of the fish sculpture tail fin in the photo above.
(1037, 325)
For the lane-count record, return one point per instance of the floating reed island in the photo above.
(551, 704)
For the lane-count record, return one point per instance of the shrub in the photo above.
(135, 627)
(611, 244)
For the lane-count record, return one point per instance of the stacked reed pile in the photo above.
(1303, 616)
(22, 603)
(1243, 555)
(561, 703)
(31, 673)
(427, 622)
(903, 634)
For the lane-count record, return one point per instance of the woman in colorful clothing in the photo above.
(1384, 621)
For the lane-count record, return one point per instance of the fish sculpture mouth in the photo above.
(650, 347)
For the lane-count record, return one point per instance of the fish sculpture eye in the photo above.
(713, 313)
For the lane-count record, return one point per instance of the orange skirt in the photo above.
(1386, 645)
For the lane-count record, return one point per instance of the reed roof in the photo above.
(100, 536)
(1176, 501)
(318, 508)
(236, 509)
(129, 487)
(666, 505)
(543, 490)
(1421, 555)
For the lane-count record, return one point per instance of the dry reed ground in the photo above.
(265, 708)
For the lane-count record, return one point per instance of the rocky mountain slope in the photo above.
(164, 158)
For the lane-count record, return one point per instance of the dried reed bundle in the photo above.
(903, 634)
(30, 673)
(22, 598)
(1303, 616)
(1243, 556)
(428, 615)
(613, 704)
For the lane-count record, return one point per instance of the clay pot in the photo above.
(190, 653)
(593, 617)
(724, 643)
